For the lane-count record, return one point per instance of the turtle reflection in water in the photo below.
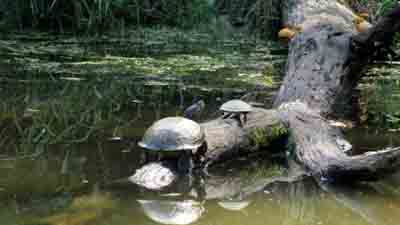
(172, 212)
(234, 205)
(146, 177)
(236, 108)
(177, 137)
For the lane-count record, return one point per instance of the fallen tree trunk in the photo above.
(227, 138)
(324, 65)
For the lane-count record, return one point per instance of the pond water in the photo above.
(73, 111)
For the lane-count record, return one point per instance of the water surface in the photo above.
(72, 114)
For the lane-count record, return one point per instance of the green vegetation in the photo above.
(261, 138)
(382, 97)
(67, 96)
(385, 5)
(374, 7)
(260, 16)
(100, 15)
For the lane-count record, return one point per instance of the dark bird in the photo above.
(194, 111)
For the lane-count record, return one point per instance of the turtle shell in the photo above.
(173, 134)
(236, 106)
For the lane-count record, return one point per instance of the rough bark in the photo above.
(227, 138)
(318, 147)
(324, 64)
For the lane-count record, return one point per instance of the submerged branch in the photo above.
(318, 147)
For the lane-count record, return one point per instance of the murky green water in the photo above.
(72, 113)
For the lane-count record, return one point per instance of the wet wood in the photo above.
(323, 68)
(324, 65)
(318, 147)
(228, 138)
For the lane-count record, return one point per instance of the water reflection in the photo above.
(158, 180)
(299, 203)
(234, 205)
(85, 130)
(172, 212)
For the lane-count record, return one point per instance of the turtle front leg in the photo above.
(238, 116)
(151, 156)
(185, 163)
(226, 115)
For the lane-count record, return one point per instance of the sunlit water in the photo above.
(70, 128)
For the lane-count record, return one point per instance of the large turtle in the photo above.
(236, 108)
(175, 136)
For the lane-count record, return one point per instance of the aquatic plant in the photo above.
(261, 17)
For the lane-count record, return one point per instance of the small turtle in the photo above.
(176, 135)
(236, 108)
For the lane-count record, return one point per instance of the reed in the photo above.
(97, 16)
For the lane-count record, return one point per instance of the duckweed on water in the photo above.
(74, 96)
(234, 66)
(81, 87)
(146, 52)
(381, 97)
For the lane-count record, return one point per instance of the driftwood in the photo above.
(325, 62)
(227, 138)
(324, 65)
